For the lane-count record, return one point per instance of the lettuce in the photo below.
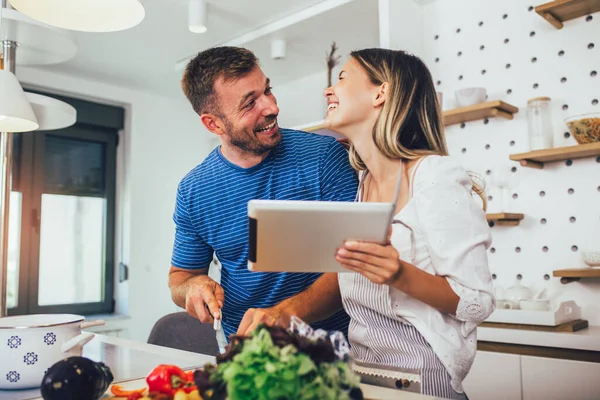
(262, 370)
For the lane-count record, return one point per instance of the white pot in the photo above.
(30, 344)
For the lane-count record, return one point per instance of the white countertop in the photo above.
(130, 360)
(585, 339)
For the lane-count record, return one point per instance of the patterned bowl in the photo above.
(30, 344)
(585, 128)
(591, 258)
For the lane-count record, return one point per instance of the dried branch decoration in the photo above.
(332, 61)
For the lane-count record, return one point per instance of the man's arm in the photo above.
(317, 302)
(196, 292)
(190, 286)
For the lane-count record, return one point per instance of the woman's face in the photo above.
(352, 101)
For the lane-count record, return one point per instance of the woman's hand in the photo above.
(380, 264)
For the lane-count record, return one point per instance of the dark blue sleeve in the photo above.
(338, 179)
(190, 251)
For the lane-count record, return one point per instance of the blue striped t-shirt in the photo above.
(211, 215)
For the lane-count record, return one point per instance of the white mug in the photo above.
(30, 344)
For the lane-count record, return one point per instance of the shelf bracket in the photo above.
(502, 114)
(564, 281)
(531, 164)
(555, 22)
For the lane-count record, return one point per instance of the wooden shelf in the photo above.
(573, 275)
(314, 128)
(319, 128)
(504, 219)
(537, 158)
(558, 11)
(490, 109)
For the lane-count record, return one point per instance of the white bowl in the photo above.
(470, 96)
(534, 305)
(591, 258)
(30, 344)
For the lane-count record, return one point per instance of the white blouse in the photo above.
(443, 231)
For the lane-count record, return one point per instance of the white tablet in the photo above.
(303, 236)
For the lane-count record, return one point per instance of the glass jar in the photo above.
(539, 123)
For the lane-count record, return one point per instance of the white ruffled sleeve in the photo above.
(457, 235)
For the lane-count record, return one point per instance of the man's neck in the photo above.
(241, 158)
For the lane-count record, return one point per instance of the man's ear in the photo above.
(213, 123)
(381, 95)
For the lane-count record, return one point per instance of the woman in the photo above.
(414, 303)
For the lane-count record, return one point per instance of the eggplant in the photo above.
(76, 378)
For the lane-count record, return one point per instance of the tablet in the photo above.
(303, 236)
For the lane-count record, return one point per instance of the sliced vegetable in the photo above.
(118, 391)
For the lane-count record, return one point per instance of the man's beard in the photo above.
(248, 142)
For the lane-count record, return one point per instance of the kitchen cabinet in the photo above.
(554, 379)
(494, 376)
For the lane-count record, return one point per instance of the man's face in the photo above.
(249, 112)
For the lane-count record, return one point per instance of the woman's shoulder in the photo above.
(437, 170)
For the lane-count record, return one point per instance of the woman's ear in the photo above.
(381, 94)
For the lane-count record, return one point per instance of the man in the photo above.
(256, 160)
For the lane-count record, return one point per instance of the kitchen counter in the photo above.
(585, 339)
(131, 360)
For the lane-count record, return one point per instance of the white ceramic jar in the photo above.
(30, 344)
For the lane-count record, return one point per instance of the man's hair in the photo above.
(226, 62)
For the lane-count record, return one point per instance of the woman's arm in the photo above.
(382, 265)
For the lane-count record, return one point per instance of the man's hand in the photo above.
(268, 316)
(204, 298)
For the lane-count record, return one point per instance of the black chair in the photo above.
(183, 332)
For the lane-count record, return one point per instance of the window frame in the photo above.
(96, 123)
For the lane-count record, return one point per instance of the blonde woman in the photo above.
(414, 303)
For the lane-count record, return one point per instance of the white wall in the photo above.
(161, 142)
(302, 101)
(406, 20)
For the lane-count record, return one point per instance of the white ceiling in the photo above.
(144, 57)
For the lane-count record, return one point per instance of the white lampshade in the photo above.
(51, 113)
(16, 114)
(197, 13)
(84, 15)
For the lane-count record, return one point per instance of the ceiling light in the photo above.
(84, 15)
(198, 11)
(51, 113)
(16, 114)
(278, 48)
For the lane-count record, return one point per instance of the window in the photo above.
(62, 215)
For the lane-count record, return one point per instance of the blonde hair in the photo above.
(410, 123)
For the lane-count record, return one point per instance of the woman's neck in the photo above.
(381, 168)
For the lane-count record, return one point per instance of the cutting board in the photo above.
(572, 326)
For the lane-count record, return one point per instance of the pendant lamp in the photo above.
(84, 15)
(197, 13)
(51, 113)
(16, 114)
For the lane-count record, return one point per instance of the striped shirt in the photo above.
(211, 215)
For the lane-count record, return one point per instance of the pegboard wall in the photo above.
(516, 55)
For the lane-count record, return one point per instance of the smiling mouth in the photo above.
(268, 127)
(332, 106)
